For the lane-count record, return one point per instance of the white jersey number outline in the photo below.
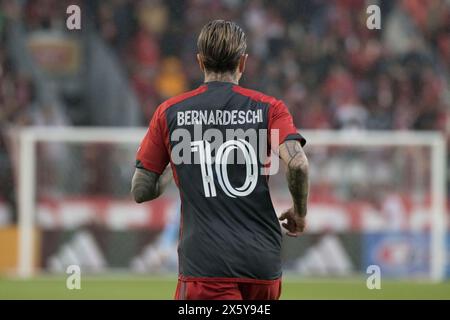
(251, 164)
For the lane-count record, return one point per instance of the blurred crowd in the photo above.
(319, 56)
(316, 55)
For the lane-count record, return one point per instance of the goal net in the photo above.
(376, 198)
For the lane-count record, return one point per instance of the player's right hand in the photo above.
(295, 223)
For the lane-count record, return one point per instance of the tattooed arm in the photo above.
(297, 173)
(147, 185)
(294, 157)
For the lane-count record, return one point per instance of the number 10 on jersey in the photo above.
(220, 165)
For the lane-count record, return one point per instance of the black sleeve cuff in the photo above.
(296, 136)
(140, 165)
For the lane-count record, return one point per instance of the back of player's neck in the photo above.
(221, 77)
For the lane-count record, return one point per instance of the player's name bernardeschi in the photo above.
(218, 117)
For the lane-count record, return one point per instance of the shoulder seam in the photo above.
(256, 95)
(181, 97)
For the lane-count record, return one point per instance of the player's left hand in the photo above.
(295, 223)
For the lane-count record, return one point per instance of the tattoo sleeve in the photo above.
(147, 185)
(297, 174)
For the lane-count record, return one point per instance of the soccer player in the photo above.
(230, 237)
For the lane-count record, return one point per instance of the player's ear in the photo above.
(200, 62)
(242, 62)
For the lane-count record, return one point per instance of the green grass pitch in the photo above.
(135, 287)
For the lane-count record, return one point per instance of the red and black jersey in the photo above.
(213, 137)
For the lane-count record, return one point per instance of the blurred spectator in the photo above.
(170, 80)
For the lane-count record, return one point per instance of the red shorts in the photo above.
(228, 290)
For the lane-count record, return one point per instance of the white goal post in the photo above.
(29, 137)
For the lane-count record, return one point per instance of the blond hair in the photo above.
(220, 44)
